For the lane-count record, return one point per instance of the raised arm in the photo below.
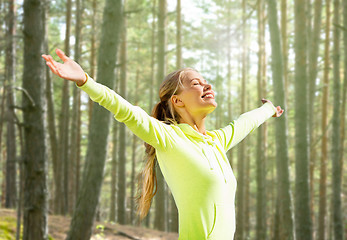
(137, 120)
(237, 130)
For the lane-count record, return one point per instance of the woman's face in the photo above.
(196, 95)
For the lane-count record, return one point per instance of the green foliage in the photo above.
(100, 234)
(7, 228)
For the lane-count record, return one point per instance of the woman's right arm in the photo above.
(137, 120)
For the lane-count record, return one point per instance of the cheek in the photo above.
(193, 97)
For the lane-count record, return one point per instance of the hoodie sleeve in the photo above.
(238, 129)
(136, 119)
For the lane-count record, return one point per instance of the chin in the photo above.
(212, 108)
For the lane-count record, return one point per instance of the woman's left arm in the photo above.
(237, 130)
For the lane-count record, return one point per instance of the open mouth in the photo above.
(208, 95)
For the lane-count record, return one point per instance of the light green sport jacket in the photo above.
(195, 166)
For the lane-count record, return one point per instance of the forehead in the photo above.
(190, 74)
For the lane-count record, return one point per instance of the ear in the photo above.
(176, 101)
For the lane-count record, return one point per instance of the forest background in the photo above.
(62, 154)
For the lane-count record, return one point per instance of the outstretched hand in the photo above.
(279, 110)
(69, 70)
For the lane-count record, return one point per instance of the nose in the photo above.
(207, 87)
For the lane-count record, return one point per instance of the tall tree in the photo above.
(229, 153)
(312, 75)
(112, 217)
(65, 118)
(88, 197)
(92, 53)
(284, 210)
(335, 150)
(284, 22)
(179, 35)
(52, 132)
(344, 96)
(114, 163)
(302, 194)
(261, 143)
(179, 62)
(324, 124)
(240, 194)
(61, 197)
(134, 146)
(35, 165)
(121, 199)
(74, 154)
(160, 209)
(10, 78)
(153, 38)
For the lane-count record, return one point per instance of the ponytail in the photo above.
(163, 111)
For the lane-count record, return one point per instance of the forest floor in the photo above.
(59, 225)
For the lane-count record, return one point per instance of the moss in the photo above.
(8, 227)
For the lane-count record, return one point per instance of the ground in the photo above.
(58, 227)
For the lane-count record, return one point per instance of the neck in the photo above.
(196, 122)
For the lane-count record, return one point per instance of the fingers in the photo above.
(62, 55)
(53, 65)
(279, 111)
(49, 58)
(53, 68)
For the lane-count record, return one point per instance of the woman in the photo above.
(192, 159)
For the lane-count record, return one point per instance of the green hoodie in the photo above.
(195, 166)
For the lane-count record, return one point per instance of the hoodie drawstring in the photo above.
(209, 152)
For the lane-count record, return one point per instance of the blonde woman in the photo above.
(192, 159)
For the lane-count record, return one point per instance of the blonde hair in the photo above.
(163, 111)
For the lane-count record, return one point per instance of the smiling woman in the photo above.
(192, 159)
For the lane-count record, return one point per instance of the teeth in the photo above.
(209, 95)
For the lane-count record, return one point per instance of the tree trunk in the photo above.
(335, 150)
(284, 20)
(113, 206)
(21, 180)
(153, 37)
(160, 210)
(324, 153)
(88, 197)
(75, 119)
(92, 55)
(2, 110)
(178, 36)
(302, 194)
(285, 223)
(10, 76)
(121, 200)
(240, 193)
(133, 158)
(344, 95)
(261, 142)
(35, 165)
(174, 210)
(65, 118)
(312, 75)
(53, 139)
(230, 152)
(152, 78)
